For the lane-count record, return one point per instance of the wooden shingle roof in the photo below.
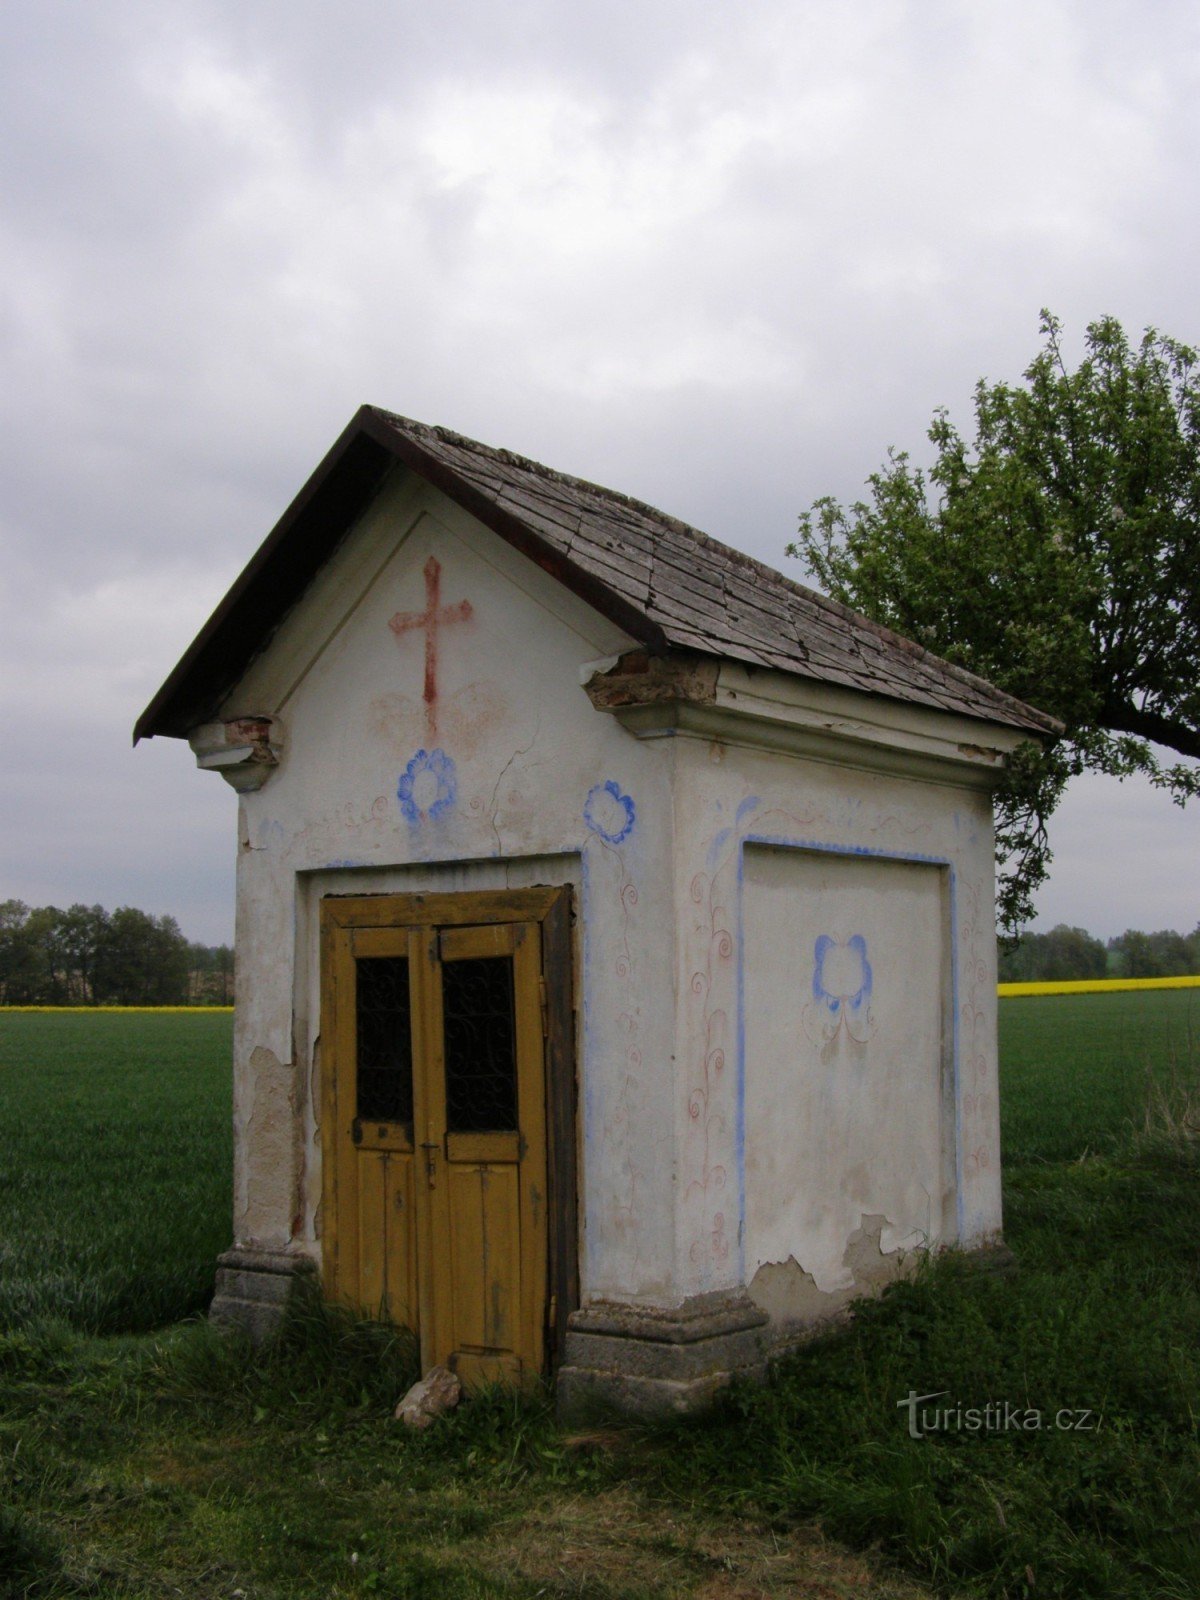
(670, 586)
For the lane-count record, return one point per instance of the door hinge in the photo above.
(544, 1000)
(431, 1148)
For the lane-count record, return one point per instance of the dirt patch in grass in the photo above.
(614, 1542)
(472, 1538)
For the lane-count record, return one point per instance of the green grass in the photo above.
(179, 1463)
(115, 1167)
(1077, 1070)
(1102, 1180)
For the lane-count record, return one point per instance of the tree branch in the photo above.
(1124, 718)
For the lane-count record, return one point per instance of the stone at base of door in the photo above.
(633, 1359)
(644, 1361)
(255, 1287)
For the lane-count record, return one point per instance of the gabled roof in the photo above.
(668, 585)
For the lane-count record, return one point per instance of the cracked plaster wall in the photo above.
(509, 777)
(808, 1123)
(710, 1126)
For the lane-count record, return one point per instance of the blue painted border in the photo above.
(584, 1076)
(816, 847)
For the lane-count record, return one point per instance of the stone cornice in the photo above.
(245, 751)
(781, 712)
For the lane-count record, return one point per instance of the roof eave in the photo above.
(340, 488)
(289, 558)
(509, 527)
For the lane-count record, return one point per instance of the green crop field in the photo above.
(1079, 1072)
(156, 1463)
(115, 1166)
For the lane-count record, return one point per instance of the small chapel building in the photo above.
(615, 947)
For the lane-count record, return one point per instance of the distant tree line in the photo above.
(1069, 953)
(89, 956)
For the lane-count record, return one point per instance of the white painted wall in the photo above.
(724, 1141)
(796, 1141)
(516, 781)
(848, 1062)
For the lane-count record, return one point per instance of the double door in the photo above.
(434, 1017)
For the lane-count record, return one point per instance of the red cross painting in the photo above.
(431, 619)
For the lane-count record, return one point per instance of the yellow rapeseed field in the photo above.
(1004, 990)
(165, 1010)
(1097, 985)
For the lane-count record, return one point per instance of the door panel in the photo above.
(400, 1225)
(489, 1240)
(436, 1118)
(484, 1262)
(376, 1211)
(372, 1231)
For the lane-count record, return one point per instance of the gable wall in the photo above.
(735, 1126)
(510, 778)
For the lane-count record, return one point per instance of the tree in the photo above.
(84, 956)
(210, 979)
(1058, 555)
(1063, 954)
(81, 929)
(1165, 954)
(23, 978)
(141, 961)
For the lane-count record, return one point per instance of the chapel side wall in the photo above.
(758, 834)
(523, 782)
(269, 1088)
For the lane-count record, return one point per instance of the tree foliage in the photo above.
(1057, 554)
(89, 956)
(1165, 954)
(1062, 955)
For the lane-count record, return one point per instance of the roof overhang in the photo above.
(694, 696)
(336, 495)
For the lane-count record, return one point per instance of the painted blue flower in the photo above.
(608, 812)
(841, 972)
(428, 786)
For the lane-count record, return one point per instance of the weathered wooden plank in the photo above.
(558, 968)
(630, 567)
(547, 511)
(708, 595)
(608, 532)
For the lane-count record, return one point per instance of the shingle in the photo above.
(704, 595)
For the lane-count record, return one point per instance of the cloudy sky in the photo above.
(717, 256)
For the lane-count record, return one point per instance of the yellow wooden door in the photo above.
(377, 1223)
(439, 1193)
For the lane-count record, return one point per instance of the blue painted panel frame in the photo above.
(819, 847)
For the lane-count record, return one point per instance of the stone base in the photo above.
(644, 1361)
(992, 1257)
(254, 1288)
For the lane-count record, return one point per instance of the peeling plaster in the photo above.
(693, 1157)
(792, 1298)
(273, 1131)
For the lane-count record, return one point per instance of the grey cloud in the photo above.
(720, 258)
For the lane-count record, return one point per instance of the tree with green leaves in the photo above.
(1165, 954)
(1056, 554)
(141, 960)
(1062, 955)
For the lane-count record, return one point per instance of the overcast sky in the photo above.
(717, 256)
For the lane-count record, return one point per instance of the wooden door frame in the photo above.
(551, 908)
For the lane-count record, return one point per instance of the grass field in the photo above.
(135, 1464)
(115, 1154)
(1079, 1072)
